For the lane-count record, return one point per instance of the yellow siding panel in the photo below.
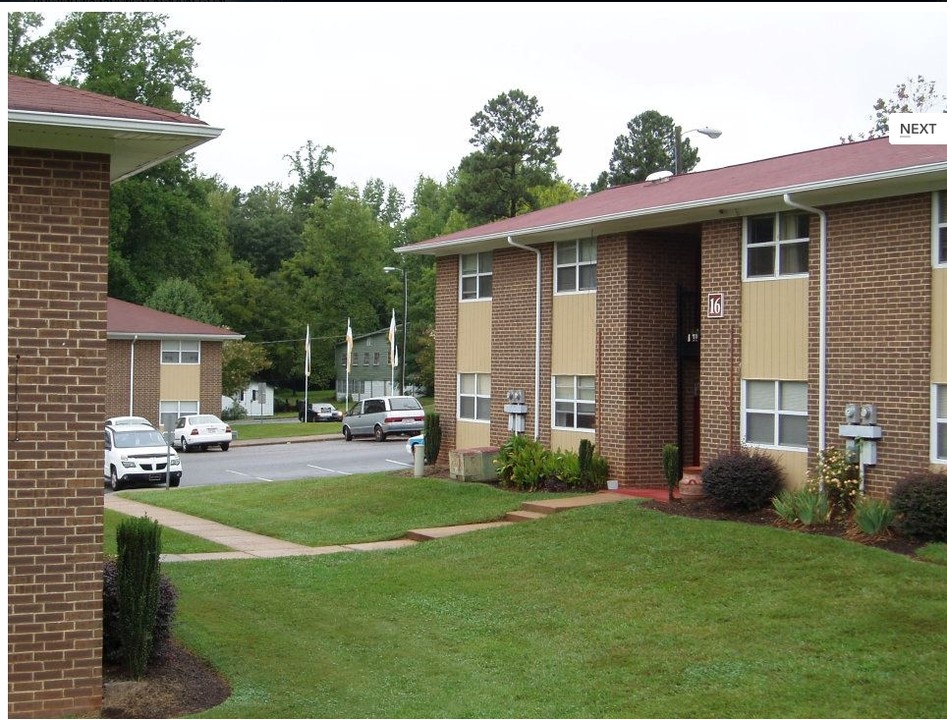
(564, 440)
(473, 337)
(939, 327)
(573, 334)
(793, 464)
(775, 329)
(472, 434)
(180, 382)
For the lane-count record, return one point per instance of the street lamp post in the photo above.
(404, 336)
(712, 133)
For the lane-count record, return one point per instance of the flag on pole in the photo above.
(395, 364)
(308, 351)
(348, 346)
(391, 339)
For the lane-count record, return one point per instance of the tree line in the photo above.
(268, 261)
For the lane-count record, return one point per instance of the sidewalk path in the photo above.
(245, 545)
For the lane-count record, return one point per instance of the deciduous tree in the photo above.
(914, 95)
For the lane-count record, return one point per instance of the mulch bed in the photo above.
(704, 509)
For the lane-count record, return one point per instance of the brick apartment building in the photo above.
(65, 149)
(706, 310)
(162, 366)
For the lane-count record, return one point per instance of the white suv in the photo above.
(138, 453)
(383, 416)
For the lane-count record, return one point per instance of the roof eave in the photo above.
(133, 145)
(129, 335)
(692, 211)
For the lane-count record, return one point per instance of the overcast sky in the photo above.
(392, 86)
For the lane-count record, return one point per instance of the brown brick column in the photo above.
(720, 339)
(56, 354)
(445, 349)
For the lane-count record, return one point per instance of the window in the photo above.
(367, 359)
(939, 428)
(573, 402)
(473, 396)
(377, 358)
(476, 276)
(775, 413)
(354, 359)
(776, 245)
(940, 228)
(576, 266)
(171, 410)
(180, 352)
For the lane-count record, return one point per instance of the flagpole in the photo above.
(348, 359)
(306, 379)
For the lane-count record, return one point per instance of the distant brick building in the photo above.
(162, 366)
(747, 305)
(65, 149)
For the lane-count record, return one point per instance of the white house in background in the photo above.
(256, 398)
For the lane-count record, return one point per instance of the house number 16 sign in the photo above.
(715, 305)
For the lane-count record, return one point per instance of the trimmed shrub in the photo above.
(671, 463)
(919, 503)
(139, 551)
(111, 627)
(432, 437)
(742, 480)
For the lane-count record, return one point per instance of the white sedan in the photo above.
(202, 431)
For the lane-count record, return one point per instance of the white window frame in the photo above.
(938, 226)
(478, 397)
(577, 266)
(777, 243)
(179, 348)
(572, 383)
(484, 290)
(776, 412)
(938, 422)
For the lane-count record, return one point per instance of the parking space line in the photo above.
(255, 477)
(325, 469)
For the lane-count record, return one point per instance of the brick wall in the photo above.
(58, 274)
(879, 328)
(211, 377)
(445, 349)
(147, 379)
(720, 339)
(513, 360)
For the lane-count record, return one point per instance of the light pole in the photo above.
(404, 336)
(712, 133)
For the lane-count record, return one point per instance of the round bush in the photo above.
(919, 502)
(742, 480)
(111, 628)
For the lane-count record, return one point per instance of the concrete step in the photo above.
(442, 532)
(521, 515)
(547, 507)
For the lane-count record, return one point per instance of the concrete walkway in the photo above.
(246, 545)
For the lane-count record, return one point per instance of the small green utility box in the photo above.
(474, 464)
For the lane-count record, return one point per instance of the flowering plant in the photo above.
(837, 477)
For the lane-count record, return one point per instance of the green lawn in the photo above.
(606, 611)
(250, 430)
(330, 511)
(173, 542)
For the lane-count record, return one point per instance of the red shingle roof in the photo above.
(830, 167)
(125, 318)
(38, 96)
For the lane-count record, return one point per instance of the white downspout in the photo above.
(131, 379)
(539, 265)
(823, 303)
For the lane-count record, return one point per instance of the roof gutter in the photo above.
(539, 265)
(823, 303)
(95, 122)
